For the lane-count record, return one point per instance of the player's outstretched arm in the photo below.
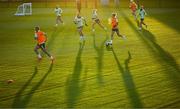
(35, 36)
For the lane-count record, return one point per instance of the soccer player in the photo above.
(41, 40)
(115, 29)
(58, 11)
(142, 14)
(95, 20)
(79, 21)
(133, 7)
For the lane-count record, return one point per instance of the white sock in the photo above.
(52, 57)
(124, 37)
(39, 56)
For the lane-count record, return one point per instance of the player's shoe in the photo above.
(39, 57)
(140, 29)
(56, 25)
(124, 37)
(52, 59)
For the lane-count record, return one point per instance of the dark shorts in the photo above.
(96, 20)
(42, 46)
(115, 29)
(142, 19)
(80, 28)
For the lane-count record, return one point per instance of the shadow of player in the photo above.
(128, 81)
(21, 100)
(73, 88)
(99, 59)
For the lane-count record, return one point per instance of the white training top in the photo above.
(94, 15)
(58, 11)
(79, 21)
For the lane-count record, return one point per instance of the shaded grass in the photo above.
(146, 76)
(128, 81)
(157, 51)
(73, 86)
(21, 101)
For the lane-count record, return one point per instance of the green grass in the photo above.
(142, 71)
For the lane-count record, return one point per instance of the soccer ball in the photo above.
(108, 43)
(10, 81)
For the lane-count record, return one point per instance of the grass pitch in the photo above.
(142, 71)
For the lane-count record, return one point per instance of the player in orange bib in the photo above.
(41, 40)
(133, 7)
(115, 29)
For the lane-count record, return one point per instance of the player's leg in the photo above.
(120, 35)
(140, 25)
(134, 14)
(43, 48)
(112, 36)
(80, 29)
(100, 24)
(57, 20)
(144, 23)
(60, 19)
(36, 51)
(93, 24)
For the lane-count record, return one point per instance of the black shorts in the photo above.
(115, 29)
(96, 20)
(142, 19)
(43, 45)
(80, 28)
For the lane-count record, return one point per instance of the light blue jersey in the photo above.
(142, 13)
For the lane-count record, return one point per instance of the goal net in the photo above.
(24, 9)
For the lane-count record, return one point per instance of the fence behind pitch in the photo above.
(89, 3)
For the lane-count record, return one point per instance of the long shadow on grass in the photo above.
(22, 101)
(73, 87)
(166, 60)
(170, 19)
(100, 54)
(17, 100)
(128, 81)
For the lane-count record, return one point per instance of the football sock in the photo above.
(39, 56)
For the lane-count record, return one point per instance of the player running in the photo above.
(142, 14)
(41, 40)
(95, 20)
(133, 7)
(115, 29)
(58, 11)
(79, 21)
